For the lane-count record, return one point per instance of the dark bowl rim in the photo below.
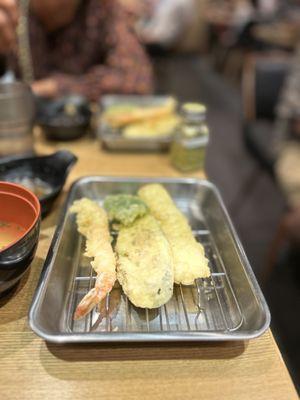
(8, 264)
(34, 198)
(32, 157)
(36, 208)
(56, 189)
(45, 125)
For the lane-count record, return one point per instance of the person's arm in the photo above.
(126, 68)
(8, 24)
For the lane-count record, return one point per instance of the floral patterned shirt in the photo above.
(97, 53)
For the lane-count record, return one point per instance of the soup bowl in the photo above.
(43, 175)
(19, 208)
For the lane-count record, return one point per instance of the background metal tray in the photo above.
(229, 306)
(112, 139)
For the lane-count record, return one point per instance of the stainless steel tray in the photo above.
(112, 139)
(229, 306)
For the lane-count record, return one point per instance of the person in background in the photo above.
(166, 22)
(288, 146)
(78, 46)
(161, 22)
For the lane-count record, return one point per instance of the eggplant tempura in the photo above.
(145, 264)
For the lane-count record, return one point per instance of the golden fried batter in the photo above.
(190, 262)
(92, 222)
(145, 264)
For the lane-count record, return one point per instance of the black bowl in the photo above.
(21, 206)
(67, 118)
(44, 175)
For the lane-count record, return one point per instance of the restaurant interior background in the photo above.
(236, 57)
(241, 71)
(239, 58)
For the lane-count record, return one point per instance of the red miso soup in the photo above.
(9, 233)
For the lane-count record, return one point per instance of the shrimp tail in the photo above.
(90, 300)
(93, 297)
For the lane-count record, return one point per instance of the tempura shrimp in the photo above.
(92, 222)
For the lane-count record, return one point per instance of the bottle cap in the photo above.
(194, 111)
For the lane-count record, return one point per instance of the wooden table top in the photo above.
(32, 369)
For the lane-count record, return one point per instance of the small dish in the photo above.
(67, 118)
(43, 175)
(113, 139)
(20, 213)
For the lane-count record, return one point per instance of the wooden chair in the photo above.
(262, 78)
(262, 81)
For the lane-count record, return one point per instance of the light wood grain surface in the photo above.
(33, 369)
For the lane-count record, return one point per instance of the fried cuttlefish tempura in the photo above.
(145, 263)
(92, 222)
(190, 262)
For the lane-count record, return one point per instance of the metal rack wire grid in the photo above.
(210, 305)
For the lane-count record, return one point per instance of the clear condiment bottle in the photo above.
(190, 141)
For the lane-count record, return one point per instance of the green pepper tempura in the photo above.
(124, 208)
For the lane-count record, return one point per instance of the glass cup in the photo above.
(17, 111)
